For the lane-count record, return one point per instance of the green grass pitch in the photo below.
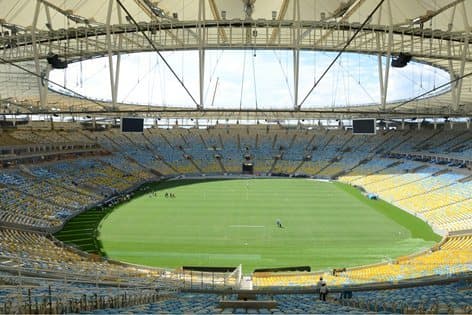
(232, 222)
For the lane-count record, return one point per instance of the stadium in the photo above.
(236, 156)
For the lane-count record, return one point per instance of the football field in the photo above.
(232, 222)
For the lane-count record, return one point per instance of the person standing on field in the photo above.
(279, 223)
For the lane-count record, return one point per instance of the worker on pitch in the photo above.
(279, 223)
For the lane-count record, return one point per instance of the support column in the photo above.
(465, 52)
(118, 54)
(42, 84)
(48, 17)
(201, 70)
(45, 85)
(383, 79)
(296, 77)
(45, 73)
(296, 53)
(114, 75)
(201, 52)
(450, 64)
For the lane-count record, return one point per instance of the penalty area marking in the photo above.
(246, 226)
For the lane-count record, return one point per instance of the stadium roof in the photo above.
(436, 32)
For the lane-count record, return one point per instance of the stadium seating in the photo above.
(35, 253)
(452, 257)
(46, 296)
(449, 298)
(7, 140)
(181, 304)
(428, 190)
(42, 196)
(208, 304)
(434, 299)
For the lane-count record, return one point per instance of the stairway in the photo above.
(273, 165)
(220, 163)
(298, 167)
(195, 165)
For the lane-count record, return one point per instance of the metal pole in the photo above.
(110, 53)
(37, 63)
(29, 301)
(389, 55)
(296, 52)
(50, 299)
(465, 52)
(201, 51)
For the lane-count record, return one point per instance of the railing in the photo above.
(52, 304)
(191, 279)
(11, 152)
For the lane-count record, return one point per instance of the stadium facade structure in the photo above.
(433, 33)
(49, 170)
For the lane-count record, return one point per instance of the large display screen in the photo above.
(132, 125)
(363, 126)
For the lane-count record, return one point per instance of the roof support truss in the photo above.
(69, 14)
(281, 15)
(217, 17)
(404, 39)
(144, 7)
(348, 13)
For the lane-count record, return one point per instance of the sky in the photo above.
(248, 79)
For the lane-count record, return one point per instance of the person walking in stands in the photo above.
(323, 289)
(323, 292)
